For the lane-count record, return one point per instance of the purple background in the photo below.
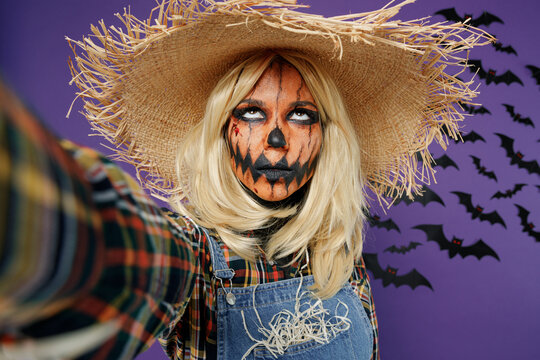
(479, 309)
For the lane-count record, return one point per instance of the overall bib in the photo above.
(281, 320)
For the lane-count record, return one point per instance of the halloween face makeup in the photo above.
(274, 134)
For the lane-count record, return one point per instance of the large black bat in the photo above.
(478, 211)
(389, 276)
(403, 249)
(455, 245)
(535, 72)
(491, 75)
(527, 227)
(507, 143)
(424, 199)
(485, 19)
(517, 117)
(473, 110)
(508, 193)
(482, 169)
(388, 224)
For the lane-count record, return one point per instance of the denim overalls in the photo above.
(280, 320)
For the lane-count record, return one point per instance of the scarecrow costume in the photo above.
(91, 268)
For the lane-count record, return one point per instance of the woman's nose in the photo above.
(276, 138)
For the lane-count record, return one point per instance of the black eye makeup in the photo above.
(303, 116)
(252, 113)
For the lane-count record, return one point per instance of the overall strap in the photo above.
(220, 267)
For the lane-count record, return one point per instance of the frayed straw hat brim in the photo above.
(146, 86)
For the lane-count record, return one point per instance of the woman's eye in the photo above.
(304, 116)
(249, 114)
(299, 116)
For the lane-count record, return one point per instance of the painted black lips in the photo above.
(273, 172)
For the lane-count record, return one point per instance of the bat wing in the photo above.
(472, 137)
(476, 66)
(531, 166)
(486, 19)
(525, 121)
(507, 144)
(535, 72)
(476, 162)
(445, 161)
(413, 279)
(482, 110)
(493, 218)
(450, 14)
(499, 195)
(508, 78)
(435, 233)
(389, 224)
(413, 245)
(523, 215)
(372, 263)
(465, 199)
(510, 109)
(478, 249)
(392, 249)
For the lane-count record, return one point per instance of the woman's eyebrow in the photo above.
(252, 102)
(302, 103)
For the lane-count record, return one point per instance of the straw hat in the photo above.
(144, 86)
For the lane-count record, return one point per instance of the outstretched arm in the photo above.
(86, 259)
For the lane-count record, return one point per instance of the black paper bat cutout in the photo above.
(507, 143)
(388, 224)
(473, 110)
(527, 227)
(389, 276)
(484, 19)
(424, 199)
(508, 193)
(443, 161)
(482, 169)
(535, 72)
(491, 75)
(478, 211)
(517, 117)
(403, 249)
(455, 245)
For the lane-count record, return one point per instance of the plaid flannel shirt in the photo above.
(82, 244)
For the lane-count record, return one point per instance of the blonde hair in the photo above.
(329, 220)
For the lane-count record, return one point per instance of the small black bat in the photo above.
(478, 211)
(475, 110)
(535, 72)
(403, 249)
(507, 143)
(491, 75)
(443, 161)
(517, 117)
(484, 19)
(424, 199)
(389, 276)
(508, 193)
(455, 246)
(527, 226)
(482, 169)
(388, 224)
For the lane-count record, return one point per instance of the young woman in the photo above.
(262, 126)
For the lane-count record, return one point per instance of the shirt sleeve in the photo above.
(89, 265)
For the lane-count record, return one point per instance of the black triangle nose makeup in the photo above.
(276, 138)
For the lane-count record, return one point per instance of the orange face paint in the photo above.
(274, 134)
